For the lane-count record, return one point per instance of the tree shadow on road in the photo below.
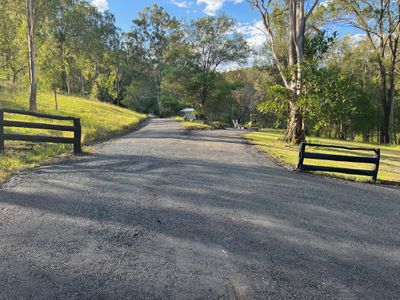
(281, 233)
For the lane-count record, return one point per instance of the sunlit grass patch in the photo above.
(178, 118)
(195, 125)
(99, 121)
(271, 142)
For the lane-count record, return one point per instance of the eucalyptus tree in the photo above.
(50, 68)
(213, 43)
(31, 22)
(147, 43)
(13, 50)
(380, 21)
(82, 35)
(296, 16)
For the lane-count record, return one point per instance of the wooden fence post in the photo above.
(301, 155)
(77, 136)
(1, 131)
(376, 169)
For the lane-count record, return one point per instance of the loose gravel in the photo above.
(162, 214)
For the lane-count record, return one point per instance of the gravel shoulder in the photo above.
(162, 214)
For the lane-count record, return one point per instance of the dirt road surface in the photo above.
(160, 214)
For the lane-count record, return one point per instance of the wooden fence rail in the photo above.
(334, 157)
(75, 128)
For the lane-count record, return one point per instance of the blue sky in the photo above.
(248, 20)
(126, 10)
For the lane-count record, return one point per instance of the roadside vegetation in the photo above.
(195, 125)
(99, 120)
(271, 141)
(310, 82)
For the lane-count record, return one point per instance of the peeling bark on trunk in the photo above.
(297, 21)
(295, 127)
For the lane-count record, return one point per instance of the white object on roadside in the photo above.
(188, 114)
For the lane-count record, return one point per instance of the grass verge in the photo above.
(272, 143)
(178, 118)
(195, 125)
(100, 121)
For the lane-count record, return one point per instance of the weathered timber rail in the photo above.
(343, 158)
(75, 128)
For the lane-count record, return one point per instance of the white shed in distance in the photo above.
(188, 114)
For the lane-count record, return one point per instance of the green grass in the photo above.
(195, 125)
(271, 142)
(178, 118)
(99, 121)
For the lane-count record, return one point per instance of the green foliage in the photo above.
(162, 65)
(170, 104)
(13, 52)
(316, 45)
(207, 44)
(339, 102)
(141, 96)
(276, 101)
(151, 37)
(76, 47)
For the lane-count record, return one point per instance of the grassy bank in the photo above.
(100, 121)
(271, 142)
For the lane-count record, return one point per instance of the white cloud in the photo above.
(101, 5)
(212, 6)
(181, 4)
(325, 3)
(358, 37)
(232, 66)
(255, 37)
(254, 34)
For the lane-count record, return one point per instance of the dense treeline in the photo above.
(308, 81)
(76, 49)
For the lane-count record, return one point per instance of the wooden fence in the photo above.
(334, 157)
(76, 129)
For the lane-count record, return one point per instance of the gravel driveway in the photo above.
(160, 214)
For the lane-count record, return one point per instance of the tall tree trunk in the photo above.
(384, 136)
(298, 15)
(386, 98)
(31, 53)
(204, 95)
(82, 85)
(15, 79)
(68, 83)
(295, 126)
(390, 97)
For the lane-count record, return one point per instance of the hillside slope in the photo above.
(99, 121)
